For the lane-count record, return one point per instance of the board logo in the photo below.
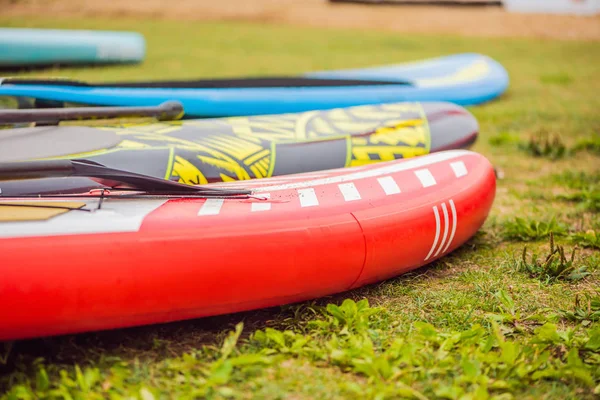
(450, 222)
(242, 148)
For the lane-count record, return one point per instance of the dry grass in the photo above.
(467, 21)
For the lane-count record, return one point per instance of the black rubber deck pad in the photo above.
(260, 82)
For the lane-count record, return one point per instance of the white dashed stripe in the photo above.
(211, 207)
(425, 177)
(454, 223)
(349, 191)
(437, 231)
(459, 168)
(308, 197)
(446, 222)
(389, 185)
(264, 205)
(390, 168)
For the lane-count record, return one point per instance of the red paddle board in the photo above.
(68, 265)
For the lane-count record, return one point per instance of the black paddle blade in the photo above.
(110, 177)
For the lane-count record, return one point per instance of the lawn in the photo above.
(484, 322)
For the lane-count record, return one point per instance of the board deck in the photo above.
(242, 148)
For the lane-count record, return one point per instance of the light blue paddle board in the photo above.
(31, 47)
(464, 79)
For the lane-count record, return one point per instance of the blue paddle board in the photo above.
(464, 79)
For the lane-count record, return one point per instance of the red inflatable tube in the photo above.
(144, 261)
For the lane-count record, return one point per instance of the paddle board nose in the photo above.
(451, 126)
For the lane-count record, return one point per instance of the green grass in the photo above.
(591, 145)
(555, 266)
(590, 238)
(469, 326)
(586, 309)
(545, 145)
(532, 229)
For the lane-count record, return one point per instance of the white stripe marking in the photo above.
(308, 197)
(389, 185)
(349, 191)
(437, 231)
(263, 205)
(459, 168)
(211, 207)
(369, 173)
(425, 177)
(445, 209)
(455, 220)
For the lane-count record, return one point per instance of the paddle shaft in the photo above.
(166, 111)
